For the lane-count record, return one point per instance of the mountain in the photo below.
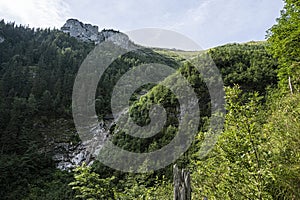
(37, 72)
(90, 33)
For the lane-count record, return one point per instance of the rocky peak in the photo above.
(88, 32)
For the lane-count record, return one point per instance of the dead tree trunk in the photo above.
(182, 184)
(290, 85)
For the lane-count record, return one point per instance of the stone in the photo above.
(90, 33)
(68, 155)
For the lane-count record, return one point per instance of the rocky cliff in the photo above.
(88, 32)
(63, 142)
(67, 154)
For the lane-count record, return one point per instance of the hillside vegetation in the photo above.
(257, 156)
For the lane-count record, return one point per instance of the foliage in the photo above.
(283, 40)
(248, 65)
(283, 125)
(54, 187)
(31, 175)
(89, 185)
(37, 71)
(257, 156)
(237, 167)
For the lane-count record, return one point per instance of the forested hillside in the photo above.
(257, 156)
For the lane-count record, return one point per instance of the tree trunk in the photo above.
(290, 85)
(182, 184)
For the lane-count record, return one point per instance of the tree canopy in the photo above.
(284, 43)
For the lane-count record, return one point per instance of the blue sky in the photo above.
(207, 22)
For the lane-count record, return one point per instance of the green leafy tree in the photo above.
(283, 125)
(238, 167)
(284, 42)
(136, 187)
(90, 186)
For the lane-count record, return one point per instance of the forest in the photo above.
(257, 156)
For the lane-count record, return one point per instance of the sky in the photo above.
(208, 23)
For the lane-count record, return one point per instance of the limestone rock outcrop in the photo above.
(88, 32)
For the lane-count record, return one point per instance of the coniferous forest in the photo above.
(257, 156)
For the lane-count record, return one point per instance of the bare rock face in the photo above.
(68, 155)
(88, 32)
(84, 32)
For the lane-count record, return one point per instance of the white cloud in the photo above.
(35, 13)
(215, 22)
(208, 22)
